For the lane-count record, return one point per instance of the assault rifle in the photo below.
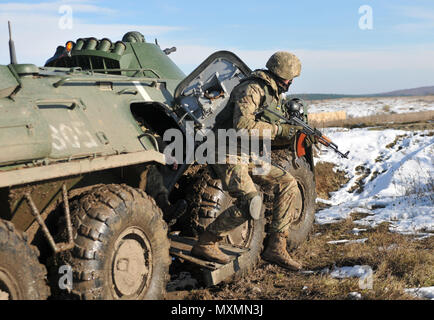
(308, 130)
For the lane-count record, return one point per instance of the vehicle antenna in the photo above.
(12, 46)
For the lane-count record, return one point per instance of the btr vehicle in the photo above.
(77, 138)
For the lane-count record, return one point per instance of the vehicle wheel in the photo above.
(22, 277)
(207, 200)
(300, 230)
(121, 246)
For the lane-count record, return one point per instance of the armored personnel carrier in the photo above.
(77, 138)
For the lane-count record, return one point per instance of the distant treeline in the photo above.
(360, 122)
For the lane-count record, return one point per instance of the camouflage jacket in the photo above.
(253, 94)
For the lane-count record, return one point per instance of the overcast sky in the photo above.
(346, 46)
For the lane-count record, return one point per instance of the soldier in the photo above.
(263, 88)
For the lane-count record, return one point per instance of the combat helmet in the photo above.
(285, 65)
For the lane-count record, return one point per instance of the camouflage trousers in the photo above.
(239, 181)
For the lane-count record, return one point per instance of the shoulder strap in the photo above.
(265, 86)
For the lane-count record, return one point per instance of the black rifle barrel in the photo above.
(311, 131)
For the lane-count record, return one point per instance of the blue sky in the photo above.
(337, 56)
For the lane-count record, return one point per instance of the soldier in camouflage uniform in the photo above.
(263, 88)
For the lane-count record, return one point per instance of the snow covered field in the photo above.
(361, 107)
(391, 174)
(391, 179)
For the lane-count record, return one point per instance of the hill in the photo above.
(422, 91)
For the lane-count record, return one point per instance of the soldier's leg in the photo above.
(286, 209)
(237, 181)
(287, 198)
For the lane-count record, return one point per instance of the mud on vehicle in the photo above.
(77, 138)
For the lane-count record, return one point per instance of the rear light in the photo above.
(69, 45)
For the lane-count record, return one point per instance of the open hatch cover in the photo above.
(204, 93)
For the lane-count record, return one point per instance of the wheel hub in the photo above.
(132, 263)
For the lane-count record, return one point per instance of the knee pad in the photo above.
(251, 204)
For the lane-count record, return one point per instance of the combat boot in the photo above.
(207, 248)
(276, 252)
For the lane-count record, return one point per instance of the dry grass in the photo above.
(386, 108)
(327, 182)
(327, 116)
(398, 262)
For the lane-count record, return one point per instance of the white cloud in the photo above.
(403, 58)
(414, 27)
(37, 35)
(423, 19)
(417, 12)
(77, 6)
(332, 71)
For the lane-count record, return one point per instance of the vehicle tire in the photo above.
(300, 230)
(207, 200)
(22, 277)
(121, 246)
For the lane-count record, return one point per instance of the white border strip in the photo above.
(142, 91)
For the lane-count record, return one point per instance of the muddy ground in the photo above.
(398, 262)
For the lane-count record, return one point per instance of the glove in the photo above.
(287, 130)
(311, 140)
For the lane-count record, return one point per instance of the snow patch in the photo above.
(355, 296)
(357, 231)
(351, 272)
(392, 184)
(346, 241)
(424, 293)
(369, 107)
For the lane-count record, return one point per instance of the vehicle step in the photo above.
(212, 272)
